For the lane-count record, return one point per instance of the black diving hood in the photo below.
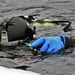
(15, 29)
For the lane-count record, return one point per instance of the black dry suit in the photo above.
(17, 29)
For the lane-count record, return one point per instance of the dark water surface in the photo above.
(53, 9)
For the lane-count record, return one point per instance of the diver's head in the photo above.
(15, 29)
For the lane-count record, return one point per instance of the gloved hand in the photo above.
(50, 44)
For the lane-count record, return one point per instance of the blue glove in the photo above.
(50, 44)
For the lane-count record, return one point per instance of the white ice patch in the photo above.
(8, 71)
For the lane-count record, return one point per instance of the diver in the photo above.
(14, 30)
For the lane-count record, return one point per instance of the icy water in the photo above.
(53, 9)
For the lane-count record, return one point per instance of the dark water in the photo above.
(53, 9)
